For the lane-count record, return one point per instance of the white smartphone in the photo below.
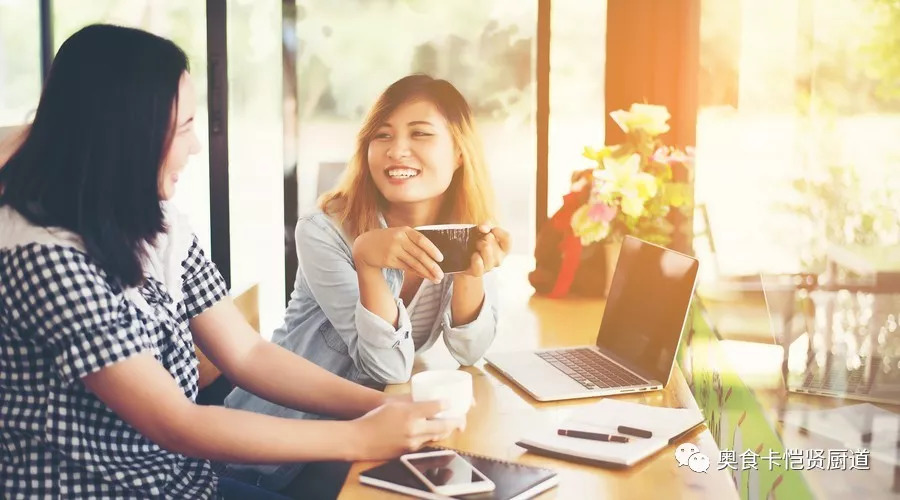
(446, 473)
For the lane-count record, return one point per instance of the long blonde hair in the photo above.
(356, 201)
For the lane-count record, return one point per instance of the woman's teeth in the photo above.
(402, 173)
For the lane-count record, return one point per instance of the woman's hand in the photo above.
(490, 250)
(399, 248)
(399, 427)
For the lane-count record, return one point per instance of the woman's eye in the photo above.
(419, 133)
(382, 135)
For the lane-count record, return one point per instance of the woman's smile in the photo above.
(399, 174)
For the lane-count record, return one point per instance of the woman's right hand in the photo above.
(400, 427)
(399, 248)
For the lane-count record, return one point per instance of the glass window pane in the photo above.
(20, 60)
(255, 164)
(485, 48)
(796, 140)
(185, 24)
(577, 105)
(746, 127)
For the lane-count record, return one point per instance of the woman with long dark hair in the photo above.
(104, 290)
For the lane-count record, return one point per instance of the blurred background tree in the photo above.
(444, 39)
(799, 105)
(840, 198)
(838, 207)
(883, 48)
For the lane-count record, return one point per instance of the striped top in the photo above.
(424, 310)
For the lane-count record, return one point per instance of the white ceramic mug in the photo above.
(452, 386)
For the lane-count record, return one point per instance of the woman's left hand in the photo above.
(490, 250)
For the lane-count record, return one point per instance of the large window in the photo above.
(20, 61)
(797, 131)
(254, 122)
(577, 107)
(255, 163)
(185, 24)
(485, 48)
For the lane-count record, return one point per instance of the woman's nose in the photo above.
(399, 148)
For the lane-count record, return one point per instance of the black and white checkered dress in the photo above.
(62, 319)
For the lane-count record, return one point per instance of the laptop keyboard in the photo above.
(840, 379)
(589, 369)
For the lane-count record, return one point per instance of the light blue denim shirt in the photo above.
(327, 324)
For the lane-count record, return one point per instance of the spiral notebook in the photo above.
(667, 426)
(513, 481)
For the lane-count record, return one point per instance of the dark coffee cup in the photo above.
(456, 243)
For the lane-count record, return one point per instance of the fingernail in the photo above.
(440, 257)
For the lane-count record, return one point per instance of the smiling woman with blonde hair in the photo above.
(369, 291)
(356, 200)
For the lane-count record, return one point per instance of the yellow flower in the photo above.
(646, 185)
(650, 118)
(632, 206)
(596, 154)
(625, 179)
(676, 194)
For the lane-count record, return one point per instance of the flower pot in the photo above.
(610, 251)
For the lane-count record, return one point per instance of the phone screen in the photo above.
(446, 470)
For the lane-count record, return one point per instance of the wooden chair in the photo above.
(748, 307)
(10, 139)
(212, 384)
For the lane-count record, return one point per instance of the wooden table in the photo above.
(503, 413)
(880, 265)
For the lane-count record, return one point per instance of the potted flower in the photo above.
(634, 185)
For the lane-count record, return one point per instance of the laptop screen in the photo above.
(646, 307)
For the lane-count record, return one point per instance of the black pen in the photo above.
(596, 436)
(633, 431)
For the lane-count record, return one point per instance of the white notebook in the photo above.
(666, 424)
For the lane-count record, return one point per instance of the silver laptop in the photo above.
(850, 357)
(639, 334)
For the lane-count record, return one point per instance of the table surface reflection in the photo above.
(763, 376)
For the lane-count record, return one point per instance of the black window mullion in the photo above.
(46, 29)
(543, 112)
(217, 78)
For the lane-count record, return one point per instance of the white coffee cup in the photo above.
(452, 386)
